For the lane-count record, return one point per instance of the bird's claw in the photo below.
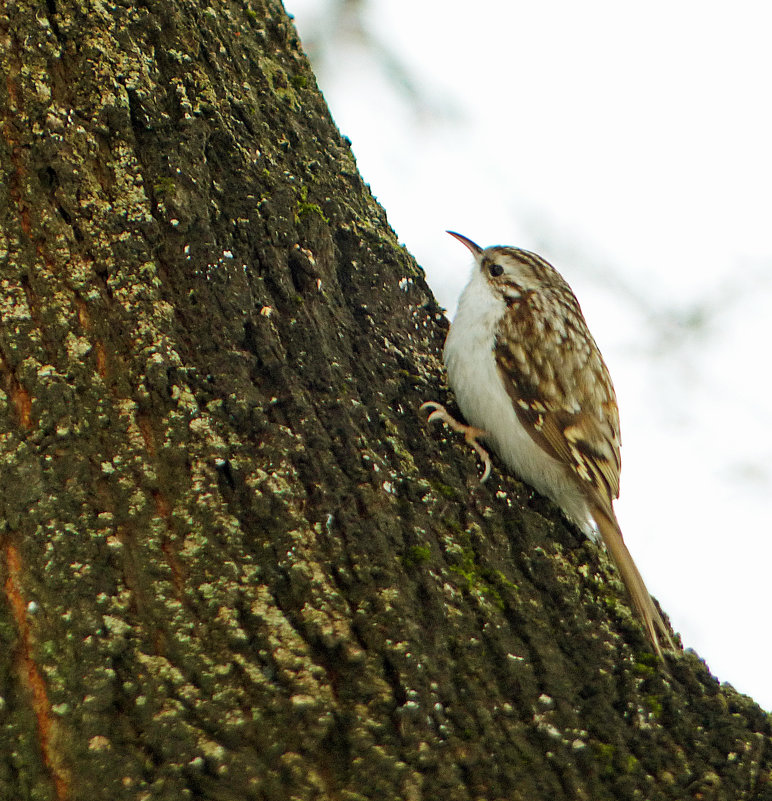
(471, 433)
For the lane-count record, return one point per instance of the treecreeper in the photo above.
(531, 383)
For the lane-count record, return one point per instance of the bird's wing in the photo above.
(562, 392)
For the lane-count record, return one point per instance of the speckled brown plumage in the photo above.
(530, 380)
(555, 375)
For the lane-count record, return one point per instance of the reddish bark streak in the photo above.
(22, 403)
(40, 703)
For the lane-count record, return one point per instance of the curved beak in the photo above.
(476, 249)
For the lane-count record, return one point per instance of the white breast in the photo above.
(485, 403)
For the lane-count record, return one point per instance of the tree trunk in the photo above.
(235, 563)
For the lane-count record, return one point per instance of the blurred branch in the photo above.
(342, 25)
(675, 338)
(671, 328)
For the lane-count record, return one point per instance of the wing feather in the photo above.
(561, 388)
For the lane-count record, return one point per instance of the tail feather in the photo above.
(644, 605)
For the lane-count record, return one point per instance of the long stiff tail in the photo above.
(652, 621)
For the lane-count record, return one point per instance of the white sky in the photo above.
(631, 146)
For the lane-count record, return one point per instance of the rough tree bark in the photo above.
(235, 564)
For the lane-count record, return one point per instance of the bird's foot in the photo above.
(471, 433)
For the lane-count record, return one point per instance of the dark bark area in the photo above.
(235, 564)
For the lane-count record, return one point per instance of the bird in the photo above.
(531, 383)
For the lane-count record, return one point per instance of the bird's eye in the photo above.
(495, 270)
